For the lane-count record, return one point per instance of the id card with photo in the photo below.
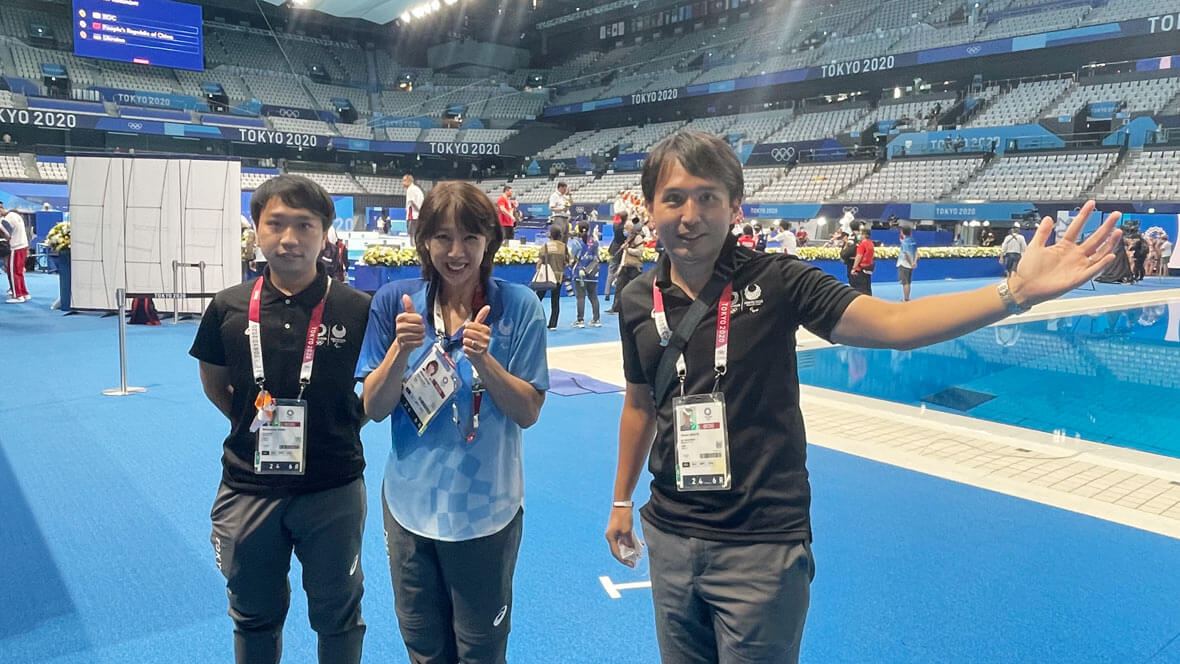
(429, 387)
(282, 442)
(702, 442)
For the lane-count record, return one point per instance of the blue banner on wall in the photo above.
(976, 139)
(298, 113)
(780, 154)
(157, 99)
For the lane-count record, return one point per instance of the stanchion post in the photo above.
(201, 265)
(176, 292)
(123, 390)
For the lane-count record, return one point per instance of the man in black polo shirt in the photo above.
(728, 524)
(276, 358)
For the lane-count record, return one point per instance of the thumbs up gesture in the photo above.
(409, 328)
(477, 336)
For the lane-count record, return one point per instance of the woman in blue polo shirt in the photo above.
(453, 489)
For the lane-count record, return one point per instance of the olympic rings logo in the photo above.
(973, 50)
(135, 125)
(288, 113)
(782, 154)
(851, 209)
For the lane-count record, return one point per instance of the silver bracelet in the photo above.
(1009, 299)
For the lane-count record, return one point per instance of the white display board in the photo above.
(132, 216)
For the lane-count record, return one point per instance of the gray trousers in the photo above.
(728, 603)
(253, 537)
(453, 599)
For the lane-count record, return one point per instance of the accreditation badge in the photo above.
(282, 442)
(702, 442)
(429, 387)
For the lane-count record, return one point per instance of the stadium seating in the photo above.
(1144, 94)
(1023, 104)
(1121, 10)
(1062, 176)
(11, 168)
(301, 126)
(334, 183)
(914, 179)
(53, 171)
(814, 182)
(1144, 176)
(821, 124)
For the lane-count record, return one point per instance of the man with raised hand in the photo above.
(703, 334)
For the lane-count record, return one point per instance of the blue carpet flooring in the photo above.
(104, 526)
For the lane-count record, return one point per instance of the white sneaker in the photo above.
(579, 323)
(15, 300)
(595, 323)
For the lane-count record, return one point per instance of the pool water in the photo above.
(1111, 376)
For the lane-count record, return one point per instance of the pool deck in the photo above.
(1130, 487)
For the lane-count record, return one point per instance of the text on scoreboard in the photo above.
(146, 32)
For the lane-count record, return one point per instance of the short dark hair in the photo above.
(905, 231)
(748, 229)
(472, 211)
(701, 154)
(554, 232)
(507, 187)
(562, 184)
(297, 192)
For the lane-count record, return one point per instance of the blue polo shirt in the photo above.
(437, 485)
(907, 249)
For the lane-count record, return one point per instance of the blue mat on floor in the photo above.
(569, 384)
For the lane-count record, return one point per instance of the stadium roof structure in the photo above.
(377, 11)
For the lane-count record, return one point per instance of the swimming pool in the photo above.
(1111, 377)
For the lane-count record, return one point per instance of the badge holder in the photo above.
(702, 442)
(429, 387)
(282, 442)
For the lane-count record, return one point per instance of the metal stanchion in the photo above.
(123, 390)
(176, 265)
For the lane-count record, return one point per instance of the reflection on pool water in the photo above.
(1109, 376)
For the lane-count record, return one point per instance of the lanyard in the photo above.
(476, 384)
(720, 349)
(254, 331)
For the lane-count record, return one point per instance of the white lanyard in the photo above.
(254, 331)
(720, 349)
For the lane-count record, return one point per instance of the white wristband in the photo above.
(623, 503)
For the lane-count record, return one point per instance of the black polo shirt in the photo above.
(334, 456)
(773, 294)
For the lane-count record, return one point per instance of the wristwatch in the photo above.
(1009, 300)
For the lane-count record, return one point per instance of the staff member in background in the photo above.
(454, 484)
(786, 239)
(583, 250)
(560, 203)
(506, 211)
(292, 463)
(414, 198)
(1012, 249)
(861, 276)
(12, 228)
(907, 260)
(728, 524)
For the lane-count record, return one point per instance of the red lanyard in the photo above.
(254, 331)
(720, 350)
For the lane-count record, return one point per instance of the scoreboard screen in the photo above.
(146, 32)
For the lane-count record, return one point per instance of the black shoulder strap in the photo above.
(706, 300)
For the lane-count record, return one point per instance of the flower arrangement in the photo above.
(58, 239)
(386, 256)
(248, 243)
(890, 253)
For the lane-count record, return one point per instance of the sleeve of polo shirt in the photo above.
(818, 298)
(207, 346)
(529, 359)
(379, 332)
(632, 367)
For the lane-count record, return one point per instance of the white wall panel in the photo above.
(133, 216)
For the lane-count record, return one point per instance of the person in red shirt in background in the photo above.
(746, 239)
(506, 211)
(861, 277)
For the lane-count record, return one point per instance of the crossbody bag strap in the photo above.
(706, 300)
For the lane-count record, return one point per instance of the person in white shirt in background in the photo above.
(12, 228)
(1012, 249)
(620, 210)
(560, 202)
(786, 239)
(414, 198)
